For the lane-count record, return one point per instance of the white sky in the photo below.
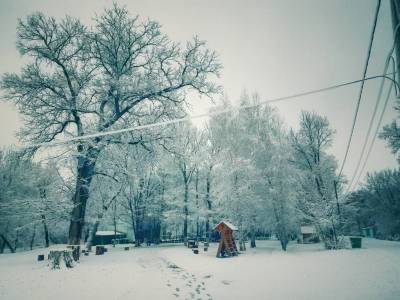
(275, 47)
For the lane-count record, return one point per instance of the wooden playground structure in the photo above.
(227, 245)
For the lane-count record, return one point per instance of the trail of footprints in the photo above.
(197, 288)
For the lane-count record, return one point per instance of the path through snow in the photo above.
(304, 272)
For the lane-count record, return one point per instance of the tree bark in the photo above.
(7, 243)
(46, 231)
(85, 171)
(16, 239)
(185, 210)
(253, 238)
(33, 237)
(92, 234)
(2, 246)
(197, 203)
(115, 222)
(209, 205)
(284, 241)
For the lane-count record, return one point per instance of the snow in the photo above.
(101, 233)
(174, 272)
(307, 229)
(230, 225)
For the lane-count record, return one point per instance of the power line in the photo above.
(375, 134)
(389, 59)
(213, 113)
(378, 101)
(362, 86)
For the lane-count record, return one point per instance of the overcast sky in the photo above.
(274, 47)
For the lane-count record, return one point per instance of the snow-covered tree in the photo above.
(32, 201)
(317, 200)
(121, 72)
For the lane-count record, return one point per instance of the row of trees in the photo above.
(244, 166)
(174, 180)
(376, 204)
(32, 203)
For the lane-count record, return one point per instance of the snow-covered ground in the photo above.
(174, 272)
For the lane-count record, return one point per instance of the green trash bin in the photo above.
(355, 241)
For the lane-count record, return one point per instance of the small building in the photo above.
(368, 232)
(107, 237)
(227, 245)
(309, 234)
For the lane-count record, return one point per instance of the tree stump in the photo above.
(40, 257)
(76, 251)
(126, 248)
(195, 251)
(100, 250)
(242, 245)
(206, 245)
(55, 257)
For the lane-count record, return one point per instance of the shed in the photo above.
(227, 245)
(368, 232)
(309, 234)
(106, 237)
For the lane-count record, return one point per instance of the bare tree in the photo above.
(123, 72)
(185, 151)
(318, 169)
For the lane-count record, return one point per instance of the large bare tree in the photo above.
(79, 80)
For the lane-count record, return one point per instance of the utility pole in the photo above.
(395, 8)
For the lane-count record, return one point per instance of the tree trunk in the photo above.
(92, 234)
(7, 243)
(209, 205)
(185, 210)
(115, 222)
(46, 231)
(2, 246)
(16, 239)
(3, 242)
(197, 204)
(139, 230)
(33, 236)
(253, 238)
(284, 241)
(85, 170)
